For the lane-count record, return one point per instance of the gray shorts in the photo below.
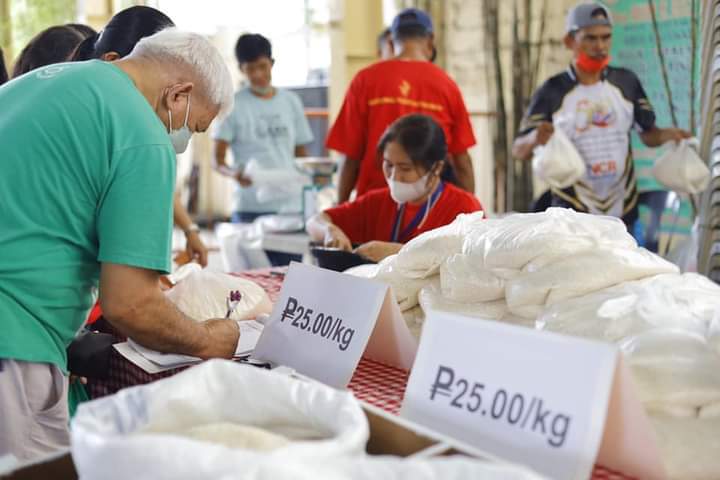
(33, 409)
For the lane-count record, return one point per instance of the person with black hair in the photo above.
(387, 90)
(596, 105)
(85, 30)
(416, 198)
(89, 153)
(267, 125)
(122, 33)
(3, 68)
(385, 48)
(52, 45)
(116, 41)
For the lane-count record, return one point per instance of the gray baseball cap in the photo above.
(587, 15)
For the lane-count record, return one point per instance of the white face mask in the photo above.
(180, 137)
(403, 192)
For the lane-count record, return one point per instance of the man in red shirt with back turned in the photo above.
(389, 89)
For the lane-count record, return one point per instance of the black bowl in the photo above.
(336, 259)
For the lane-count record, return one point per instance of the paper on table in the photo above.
(154, 362)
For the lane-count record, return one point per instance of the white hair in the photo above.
(200, 58)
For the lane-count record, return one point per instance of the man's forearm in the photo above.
(219, 159)
(132, 301)
(180, 215)
(523, 147)
(653, 137)
(156, 323)
(462, 163)
(348, 177)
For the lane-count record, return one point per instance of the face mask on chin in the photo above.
(589, 64)
(180, 137)
(262, 91)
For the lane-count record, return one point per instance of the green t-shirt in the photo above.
(87, 173)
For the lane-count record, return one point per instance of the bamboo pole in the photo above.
(535, 73)
(491, 21)
(6, 41)
(663, 69)
(693, 58)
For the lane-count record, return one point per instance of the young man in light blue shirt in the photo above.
(267, 125)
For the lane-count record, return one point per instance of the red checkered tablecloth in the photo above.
(375, 383)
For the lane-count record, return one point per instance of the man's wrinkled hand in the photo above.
(222, 337)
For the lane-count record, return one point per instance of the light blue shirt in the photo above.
(267, 130)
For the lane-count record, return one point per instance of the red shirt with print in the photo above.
(384, 92)
(371, 216)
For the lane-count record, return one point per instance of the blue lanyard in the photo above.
(397, 236)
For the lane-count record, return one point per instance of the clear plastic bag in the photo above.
(422, 256)
(558, 162)
(515, 241)
(673, 367)
(685, 302)
(431, 298)
(405, 288)
(681, 169)
(578, 275)
(464, 281)
(202, 295)
(276, 183)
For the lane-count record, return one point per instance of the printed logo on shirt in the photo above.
(271, 126)
(420, 104)
(404, 88)
(51, 71)
(593, 114)
(603, 169)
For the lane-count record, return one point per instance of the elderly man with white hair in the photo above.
(88, 169)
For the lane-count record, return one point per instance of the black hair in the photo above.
(409, 32)
(123, 32)
(3, 69)
(252, 46)
(52, 45)
(383, 37)
(85, 30)
(420, 136)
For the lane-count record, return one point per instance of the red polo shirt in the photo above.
(384, 92)
(371, 216)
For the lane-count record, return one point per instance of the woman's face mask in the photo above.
(402, 192)
(180, 137)
(405, 182)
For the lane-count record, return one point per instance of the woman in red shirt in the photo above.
(416, 200)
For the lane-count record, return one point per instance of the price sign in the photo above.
(530, 397)
(324, 321)
(520, 410)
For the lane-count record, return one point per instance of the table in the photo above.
(380, 385)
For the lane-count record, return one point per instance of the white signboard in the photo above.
(323, 321)
(530, 397)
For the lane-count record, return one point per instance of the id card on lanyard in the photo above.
(422, 213)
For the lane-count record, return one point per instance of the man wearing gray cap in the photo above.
(596, 106)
